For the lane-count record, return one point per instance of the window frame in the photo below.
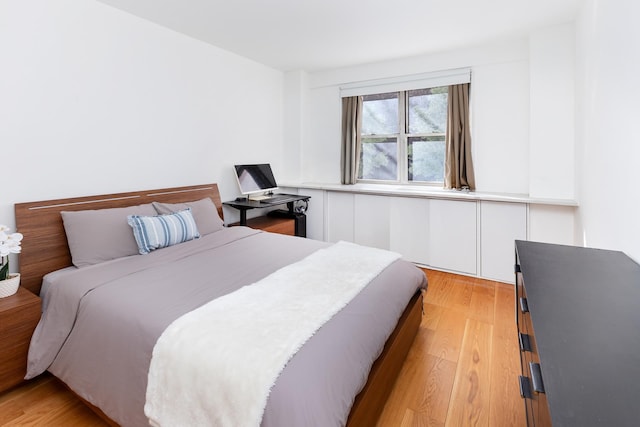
(402, 149)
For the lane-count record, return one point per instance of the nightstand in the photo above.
(19, 315)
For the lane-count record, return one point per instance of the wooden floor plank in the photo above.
(506, 406)
(440, 288)
(16, 402)
(431, 316)
(44, 402)
(424, 385)
(460, 296)
(501, 404)
(437, 388)
(418, 419)
(482, 303)
(471, 389)
(447, 339)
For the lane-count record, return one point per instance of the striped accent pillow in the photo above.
(160, 231)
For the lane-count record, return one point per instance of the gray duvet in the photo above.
(100, 324)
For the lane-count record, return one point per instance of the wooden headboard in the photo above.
(45, 248)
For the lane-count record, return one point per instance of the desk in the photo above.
(244, 205)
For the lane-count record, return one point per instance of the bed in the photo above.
(114, 322)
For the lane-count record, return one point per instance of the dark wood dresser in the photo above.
(578, 318)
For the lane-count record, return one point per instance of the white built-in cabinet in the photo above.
(409, 228)
(340, 217)
(474, 237)
(453, 232)
(500, 224)
(431, 232)
(371, 220)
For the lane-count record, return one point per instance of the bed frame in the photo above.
(45, 249)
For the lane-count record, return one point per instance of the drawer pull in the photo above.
(524, 307)
(525, 341)
(525, 387)
(536, 377)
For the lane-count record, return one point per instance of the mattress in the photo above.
(100, 324)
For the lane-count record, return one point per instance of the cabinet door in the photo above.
(501, 224)
(452, 232)
(409, 228)
(340, 216)
(372, 220)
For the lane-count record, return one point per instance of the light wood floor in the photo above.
(462, 369)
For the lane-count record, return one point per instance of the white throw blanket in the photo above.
(216, 365)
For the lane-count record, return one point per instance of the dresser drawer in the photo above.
(531, 379)
(535, 399)
(520, 297)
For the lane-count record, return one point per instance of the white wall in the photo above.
(94, 100)
(295, 83)
(320, 145)
(607, 125)
(552, 118)
(522, 106)
(500, 126)
(500, 104)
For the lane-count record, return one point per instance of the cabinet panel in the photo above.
(552, 224)
(452, 232)
(409, 228)
(372, 220)
(340, 217)
(501, 224)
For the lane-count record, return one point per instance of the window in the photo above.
(403, 136)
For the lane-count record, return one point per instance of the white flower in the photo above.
(7, 248)
(15, 237)
(9, 243)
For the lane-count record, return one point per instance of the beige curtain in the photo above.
(351, 125)
(458, 169)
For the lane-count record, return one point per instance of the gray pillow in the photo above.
(204, 212)
(100, 235)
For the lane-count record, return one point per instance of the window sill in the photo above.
(429, 193)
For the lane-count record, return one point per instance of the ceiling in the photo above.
(313, 35)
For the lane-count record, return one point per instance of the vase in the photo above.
(9, 286)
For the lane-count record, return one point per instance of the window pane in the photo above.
(380, 114)
(426, 158)
(379, 159)
(428, 110)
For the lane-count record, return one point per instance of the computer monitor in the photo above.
(254, 179)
